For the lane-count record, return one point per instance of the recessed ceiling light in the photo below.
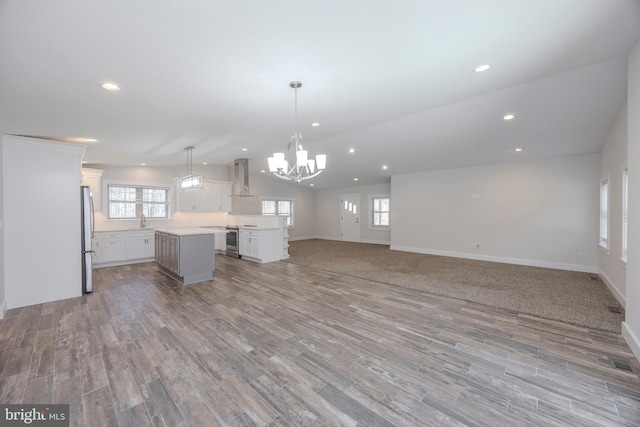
(385, 167)
(205, 163)
(509, 116)
(143, 164)
(355, 179)
(519, 149)
(352, 150)
(109, 85)
(481, 68)
(244, 149)
(263, 171)
(316, 124)
(311, 185)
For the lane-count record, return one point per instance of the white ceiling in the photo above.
(392, 79)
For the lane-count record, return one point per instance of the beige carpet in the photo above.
(572, 297)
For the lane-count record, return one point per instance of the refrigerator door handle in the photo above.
(93, 218)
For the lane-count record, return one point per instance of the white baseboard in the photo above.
(517, 261)
(291, 238)
(3, 309)
(631, 339)
(373, 242)
(616, 293)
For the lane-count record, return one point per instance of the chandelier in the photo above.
(304, 167)
(191, 181)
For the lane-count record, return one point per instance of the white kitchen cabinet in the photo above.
(221, 242)
(113, 250)
(93, 179)
(221, 195)
(260, 245)
(215, 196)
(191, 201)
(140, 245)
(96, 247)
(123, 247)
(249, 244)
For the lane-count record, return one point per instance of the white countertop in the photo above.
(242, 227)
(189, 231)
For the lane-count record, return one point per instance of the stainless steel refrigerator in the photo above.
(87, 215)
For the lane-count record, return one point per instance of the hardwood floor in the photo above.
(278, 344)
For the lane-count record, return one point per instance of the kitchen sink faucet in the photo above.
(143, 221)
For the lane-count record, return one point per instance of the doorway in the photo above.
(350, 212)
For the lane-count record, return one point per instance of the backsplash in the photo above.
(179, 219)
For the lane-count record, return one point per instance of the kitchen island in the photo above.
(186, 253)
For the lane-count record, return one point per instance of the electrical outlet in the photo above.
(476, 245)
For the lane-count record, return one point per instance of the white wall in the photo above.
(613, 162)
(542, 213)
(3, 302)
(328, 212)
(41, 201)
(631, 325)
(304, 201)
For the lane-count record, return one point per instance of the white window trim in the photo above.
(105, 198)
(379, 227)
(604, 245)
(282, 199)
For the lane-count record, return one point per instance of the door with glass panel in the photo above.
(350, 217)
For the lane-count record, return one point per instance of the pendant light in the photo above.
(191, 181)
(304, 167)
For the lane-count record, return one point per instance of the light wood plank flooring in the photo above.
(283, 345)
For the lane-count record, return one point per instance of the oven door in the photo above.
(232, 243)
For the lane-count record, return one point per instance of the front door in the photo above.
(350, 217)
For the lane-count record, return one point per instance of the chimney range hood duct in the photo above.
(243, 203)
(241, 178)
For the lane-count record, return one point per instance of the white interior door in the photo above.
(350, 214)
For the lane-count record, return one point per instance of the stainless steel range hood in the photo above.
(242, 201)
(241, 178)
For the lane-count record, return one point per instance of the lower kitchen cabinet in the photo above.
(188, 258)
(113, 250)
(122, 247)
(260, 245)
(140, 245)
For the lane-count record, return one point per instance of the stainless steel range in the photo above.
(232, 242)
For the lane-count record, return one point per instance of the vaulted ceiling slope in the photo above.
(392, 79)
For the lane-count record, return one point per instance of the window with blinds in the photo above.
(130, 201)
(604, 214)
(380, 206)
(279, 208)
(625, 210)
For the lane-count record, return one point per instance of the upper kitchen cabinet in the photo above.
(214, 197)
(93, 179)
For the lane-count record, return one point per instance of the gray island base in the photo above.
(186, 254)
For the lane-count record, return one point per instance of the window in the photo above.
(380, 211)
(280, 208)
(131, 201)
(604, 214)
(625, 211)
